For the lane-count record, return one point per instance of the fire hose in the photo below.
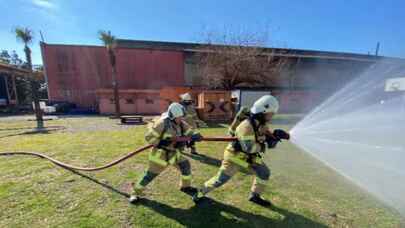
(115, 162)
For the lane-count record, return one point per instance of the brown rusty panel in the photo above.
(75, 72)
(149, 69)
(172, 94)
(216, 106)
(132, 101)
(106, 106)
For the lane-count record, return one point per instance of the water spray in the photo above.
(360, 132)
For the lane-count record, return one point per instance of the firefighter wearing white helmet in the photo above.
(162, 133)
(266, 104)
(254, 136)
(191, 116)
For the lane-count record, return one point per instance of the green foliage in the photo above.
(5, 57)
(106, 37)
(24, 35)
(23, 90)
(12, 58)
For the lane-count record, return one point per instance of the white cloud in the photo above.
(45, 4)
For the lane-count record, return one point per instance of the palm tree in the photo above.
(25, 35)
(108, 40)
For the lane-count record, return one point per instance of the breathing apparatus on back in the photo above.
(264, 105)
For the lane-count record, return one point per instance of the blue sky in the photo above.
(332, 25)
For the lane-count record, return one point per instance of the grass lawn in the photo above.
(35, 193)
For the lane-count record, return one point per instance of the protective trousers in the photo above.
(229, 169)
(154, 169)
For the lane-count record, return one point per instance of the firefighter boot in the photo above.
(257, 199)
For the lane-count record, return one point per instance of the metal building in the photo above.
(82, 74)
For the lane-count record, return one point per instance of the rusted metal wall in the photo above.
(132, 101)
(74, 73)
(149, 69)
(169, 95)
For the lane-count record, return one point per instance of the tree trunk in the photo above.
(116, 94)
(34, 90)
(115, 84)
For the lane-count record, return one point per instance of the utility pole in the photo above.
(377, 49)
(42, 36)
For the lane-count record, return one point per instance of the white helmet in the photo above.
(186, 97)
(175, 110)
(265, 104)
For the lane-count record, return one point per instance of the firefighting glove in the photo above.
(180, 144)
(196, 137)
(164, 143)
(281, 134)
(271, 141)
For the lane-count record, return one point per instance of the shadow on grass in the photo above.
(212, 161)
(204, 159)
(132, 124)
(47, 130)
(211, 213)
(94, 180)
(215, 125)
(16, 129)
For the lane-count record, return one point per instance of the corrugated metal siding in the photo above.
(149, 69)
(74, 73)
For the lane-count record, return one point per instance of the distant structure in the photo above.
(82, 74)
(8, 87)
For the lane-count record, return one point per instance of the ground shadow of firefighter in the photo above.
(211, 213)
(204, 159)
(211, 161)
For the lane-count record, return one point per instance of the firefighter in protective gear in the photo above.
(191, 117)
(162, 133)
(253, 134)
(241, 115)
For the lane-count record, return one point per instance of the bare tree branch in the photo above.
(231, 59)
